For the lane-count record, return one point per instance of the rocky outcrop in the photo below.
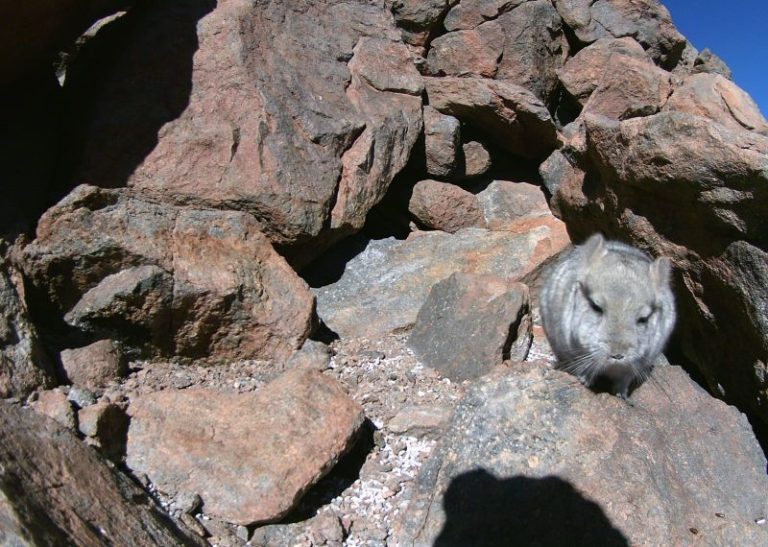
(168, 280)
(470, 324)
(246, 122)
(386, 283)
(683, 186)
(534, 455)
(55, 490)
(249, 456)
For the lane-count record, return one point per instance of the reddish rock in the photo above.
(719, 99)
(630, 88)
(24, 364)
(94, 366)
(107, 259)
(557, 170)
(250, 456)
(421, 421)
(471, 13)
(504, 203)
(477, 160)
(444, 206)
(134, 304)
(467, 52)
(509, 116)
(58, 491)
(584, 71)
(470, 324)
(277, 109)
(418, 19)
(56, 405)
(442, 138)
(681, 186)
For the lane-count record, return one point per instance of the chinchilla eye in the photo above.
(643, 319)
(597, 309)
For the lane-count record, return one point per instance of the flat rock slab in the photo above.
(383, 287)
(55, 490)
(250, 456)
(532, 454)
(470, 324)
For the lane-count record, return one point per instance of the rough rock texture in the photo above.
(105, 426)
(505, 203)
(418, 19)
(249, 456)
(509, 115)
(470, 324)
(442, 139)
(444, 206)
(719, 99)
(300, 114)
(95, 365)
(709, 63)
(55, 404)
(24, 365)
(607, 473)
(682, 186)
(194, 283)
(477, 160)
(55, 490)
(385, 284)
(521, 42)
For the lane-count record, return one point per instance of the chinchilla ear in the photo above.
(594, 247)
(661, 272)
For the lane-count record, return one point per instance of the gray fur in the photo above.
(608, 310)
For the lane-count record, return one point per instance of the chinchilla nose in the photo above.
(617, 356)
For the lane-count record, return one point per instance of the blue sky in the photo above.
(735, 30)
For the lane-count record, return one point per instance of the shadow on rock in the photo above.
(482, 510)
(125, 84)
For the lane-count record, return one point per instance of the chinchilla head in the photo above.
(624, 308)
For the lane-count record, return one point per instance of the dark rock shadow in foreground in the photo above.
(482, 510)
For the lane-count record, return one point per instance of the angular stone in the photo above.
(647, 21)
(471, 323)
(682, 186)
(467, 52)
(477, 159)
(272, 108)
(531, 437)
(418, 19)
(504, 203)
(709, 63)
(557, 170)
(194, 283)
(58, 491)
(511, 117)
(105, 426)
(719, 99)
(421, 421)
(444, 206)
(383, 287)
(442, 138)
(55, 404)
(250, 456)
(24, 364)
(584, 71)
(630, 88)
(471, 13)
(134, 304)
(94, 366)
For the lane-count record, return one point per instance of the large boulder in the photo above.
(686, 187)
(249, 456)
(55, 490)
(298, 114)
(168, 280)
(533, 455)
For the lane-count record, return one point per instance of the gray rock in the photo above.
(442, 138)
(709, 63)
(532, 454)
(383, 287)
(95, 365)
(55, 490)
(470, 324)
(421, 421)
